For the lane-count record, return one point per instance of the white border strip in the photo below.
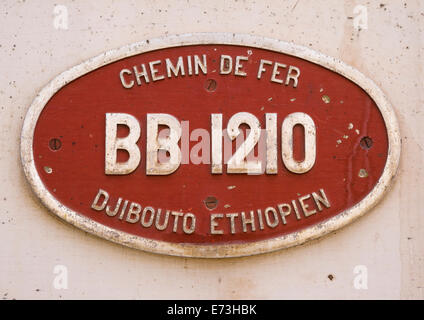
(224, 250)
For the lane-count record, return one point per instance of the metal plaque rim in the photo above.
(222, 250)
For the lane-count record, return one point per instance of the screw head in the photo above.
(210, 85)
(55, 144)
(366, 143)
(211, 202)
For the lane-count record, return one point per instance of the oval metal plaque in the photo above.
(210, 145)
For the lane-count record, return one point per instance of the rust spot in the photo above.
(363, 173)
(331, 277)
(326, 98)
(48, 169)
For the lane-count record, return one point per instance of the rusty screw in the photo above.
(211, 202)
(210, 85)
(366, 143)
(55, 144)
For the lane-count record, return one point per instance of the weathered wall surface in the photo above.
(388, 241)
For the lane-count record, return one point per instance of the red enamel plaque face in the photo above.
(210, 150)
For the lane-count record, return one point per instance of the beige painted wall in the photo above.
(389, 240)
